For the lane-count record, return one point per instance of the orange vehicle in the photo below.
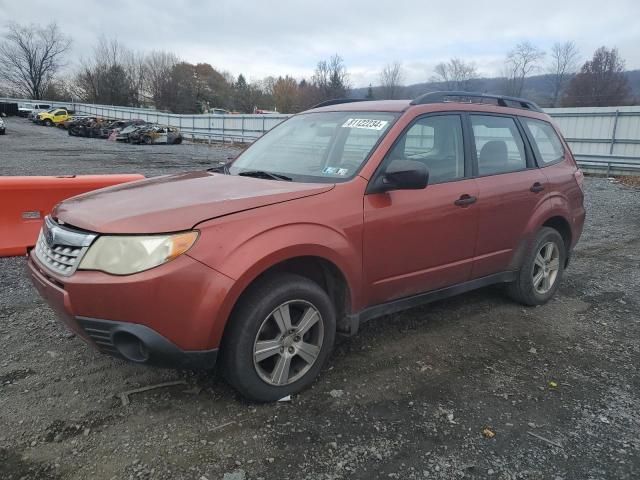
(340, 214)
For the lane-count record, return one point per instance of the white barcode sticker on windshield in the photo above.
(367, 123)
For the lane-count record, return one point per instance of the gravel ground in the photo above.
(555, 389)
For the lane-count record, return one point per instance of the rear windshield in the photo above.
(325, 147)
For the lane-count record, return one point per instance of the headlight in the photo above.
(124, 254)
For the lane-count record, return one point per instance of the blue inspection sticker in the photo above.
(330, 170)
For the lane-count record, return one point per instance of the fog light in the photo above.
(130, 347)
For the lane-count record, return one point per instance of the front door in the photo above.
(422, 240)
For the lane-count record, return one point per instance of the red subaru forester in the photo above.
(346, 212)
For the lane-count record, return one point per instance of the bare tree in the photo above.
(601, 82)
(563, 62)
(456, 74)
(158, 66)
(113, 76)
(285, 94)
(331, 78)
(31, 56)
(391, 80)
(520, 63)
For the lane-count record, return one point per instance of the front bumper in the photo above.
(141, 344)
(167, 316)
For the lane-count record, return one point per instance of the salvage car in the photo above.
(113, 128)
(346, 212)
(123, 135)
(83, 127)
(72, 119)
(154, 134)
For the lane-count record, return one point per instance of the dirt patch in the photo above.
(629, 180)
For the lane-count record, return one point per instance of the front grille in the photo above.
(60, 249)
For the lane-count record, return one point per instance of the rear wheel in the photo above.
(542, 269)
(279, 337)
(147, 140)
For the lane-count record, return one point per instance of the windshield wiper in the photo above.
(263, 174)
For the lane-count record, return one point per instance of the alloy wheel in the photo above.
(546, 267)
(288, 342)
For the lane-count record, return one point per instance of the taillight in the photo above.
(579, 176)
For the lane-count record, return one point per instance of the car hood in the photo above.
(175, 202)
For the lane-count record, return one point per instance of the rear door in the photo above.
(509, 190)
(559, 167)
(422, 240)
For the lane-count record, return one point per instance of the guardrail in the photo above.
(609, 165)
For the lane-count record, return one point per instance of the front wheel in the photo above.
(48, 123)
(279, 337)
(542, 269)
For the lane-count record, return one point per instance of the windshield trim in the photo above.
(332, 180)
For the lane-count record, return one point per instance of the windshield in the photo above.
(325, 147)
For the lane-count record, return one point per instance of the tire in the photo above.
(540, 277)
(177, 141)
(259, 318)
(48, 123)
(147, 140)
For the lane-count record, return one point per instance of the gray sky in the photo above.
(260, 38)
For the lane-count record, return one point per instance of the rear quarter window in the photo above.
(548, 146)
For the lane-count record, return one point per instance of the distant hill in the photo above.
(537, 87)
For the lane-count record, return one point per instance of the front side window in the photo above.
(437, 142)
(324, 147)
(550, 149)
(499, 146)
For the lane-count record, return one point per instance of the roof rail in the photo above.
(476, 97)
(338, 101)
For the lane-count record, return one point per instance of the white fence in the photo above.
(603, 139)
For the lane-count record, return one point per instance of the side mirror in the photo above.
(401, 175)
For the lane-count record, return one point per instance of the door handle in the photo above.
(537, 187)
(465, 200)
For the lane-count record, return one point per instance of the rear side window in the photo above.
(499, 146)
(437, 142)
(548, 145)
